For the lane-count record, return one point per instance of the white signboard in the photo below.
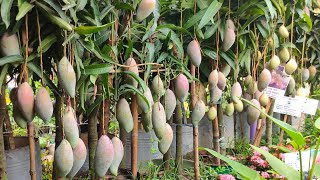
(278, 84)
(309, 106)
(288, 105)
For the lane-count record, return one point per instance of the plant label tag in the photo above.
(278, 84)
(288, 105)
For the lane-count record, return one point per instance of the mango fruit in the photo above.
(165, 142)
(146, 7)
(230, 24)
(158, 120)
(302, 92)
(236, 91)
(213, 78)
(157, 86)
(291, 66)
(9, 44)
(253, 113)
(248, 81)
(198, 112)
(264, 79)
(222, 81)
(226, 70)
(25, 101)
(63, 158)
(18, 118)
(284, 55)
(262, 115)
(181, 87)
(264, 99)
(146, 120)
(212, 113)
(274, 62)
(79, 157)
(312, 71)
(283, 32)
(238, 106)
(70, 127)
(305, 74)
(118, 155)
(215, 94)
(124, 115)
(133, 68)
(229, 109)
(104, 156)
(194, 53)
(142, 104)
(43, 105)
(169, 102)
(228, 39)
(291, 86)
(67, 76)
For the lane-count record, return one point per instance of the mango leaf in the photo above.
(317, 170)
(91, 29)
(124, 6)
(210, 53)
(150, 58)
(81, 4)
(36, 69)
(245, 60)
(3, 75)
(95, 69)
(210, 31)
(137, 78)
(98, 100)
(173, 27)
(230, 58)
(123, 89)
(90, 46)
(244, 171)
(24, 9)
(5, 11)
(272, 10)
(47, 42)
(317, 123)
(128, 50)
(56, 7)
(278, 165)
(194, 19)
(11, 59)
(292, 132)
(210, 13)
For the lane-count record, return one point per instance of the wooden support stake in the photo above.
(196, 152)
(216, 135)
(134, 137)
(177, 118)
(32, 151)
(8, 128)
(2, 150)
(282, 131)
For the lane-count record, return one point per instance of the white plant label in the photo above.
(288, 105)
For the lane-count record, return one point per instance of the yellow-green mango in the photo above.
(145, 8)
(229, 109)
(70, 127)
(213, 78)
(142, 104)
(291, 66)
(230, 24)
(222, 81)
(67, 76)
(124, 115)
(226, 70)
(63, 158)
(264, 99)
(284, 55)
(198, 112)
(79, 157)
(228, 39)
(253, 113)
(43, 105)
(305, 74)
(165, 142)
(146, 120)
(157, 86)
(264, 79)
(274, 62)
(9, 44)
(236, 91)
(118, 155)
(312, 71)
(283, 32)
(238, 106)
(169, 102)
(212, 113)
(194, 53)
(158, 120)
(25, 101)
(18, 118)
(132, 68)
(291, 86)
(104, 156)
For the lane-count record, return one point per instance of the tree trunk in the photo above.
(58, 119)
(3, 174)
(32, 152)
(196, 152)
(216, 136)
(134, 137)
(221, 130)
(177, 119)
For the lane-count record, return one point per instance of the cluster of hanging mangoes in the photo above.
(254, 88)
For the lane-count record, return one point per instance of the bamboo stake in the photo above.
(2, 149)
(282, 131)
(134, 137)
(216, 135)
(8, 127)
(196, 152)
(221, 129)
(32, 146)
(179, 151)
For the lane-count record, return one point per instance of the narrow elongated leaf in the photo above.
(128, 50)
(317, 123)
(210, 31)
(96, 12)
(3, 75)
(229, 58)
(5, 12)
(173, 27)
(91, 29)
(129, 88)
(94, 105)
(81, 4)
(24, 9)
(47, 42)
(96, 69)
(210, 53)
(194, 19)
(292, 132)
(57, 8)
(245, 60)
(272, 10)
(124, 6)
(36, 69)
(137, 78)
(95, 50)
(150, 58)
(244, 171)
(11, 59)
(278, 165)
(210, 13)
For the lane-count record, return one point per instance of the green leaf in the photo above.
(96, 51)
(194, 19)
(3, 75)
(173, 27)
(57, 8)
(47, 42)
(210, 13)
(210, 31)
(96, 69)
(91, 29)
(128, 50)
(317, 123)
(210, 53)
(94, 105)
(292, 132)
(317, 170)
(230, 58)
(81, 4)
(150, 58)
(11, 59)
(36, 69)
(245, 60)
(24, 9)
(278, 165)
(5, 11)
(244, 171)
(123, 89)
(137, 78)
(272, 10)
(124, 6)
(96, 12)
